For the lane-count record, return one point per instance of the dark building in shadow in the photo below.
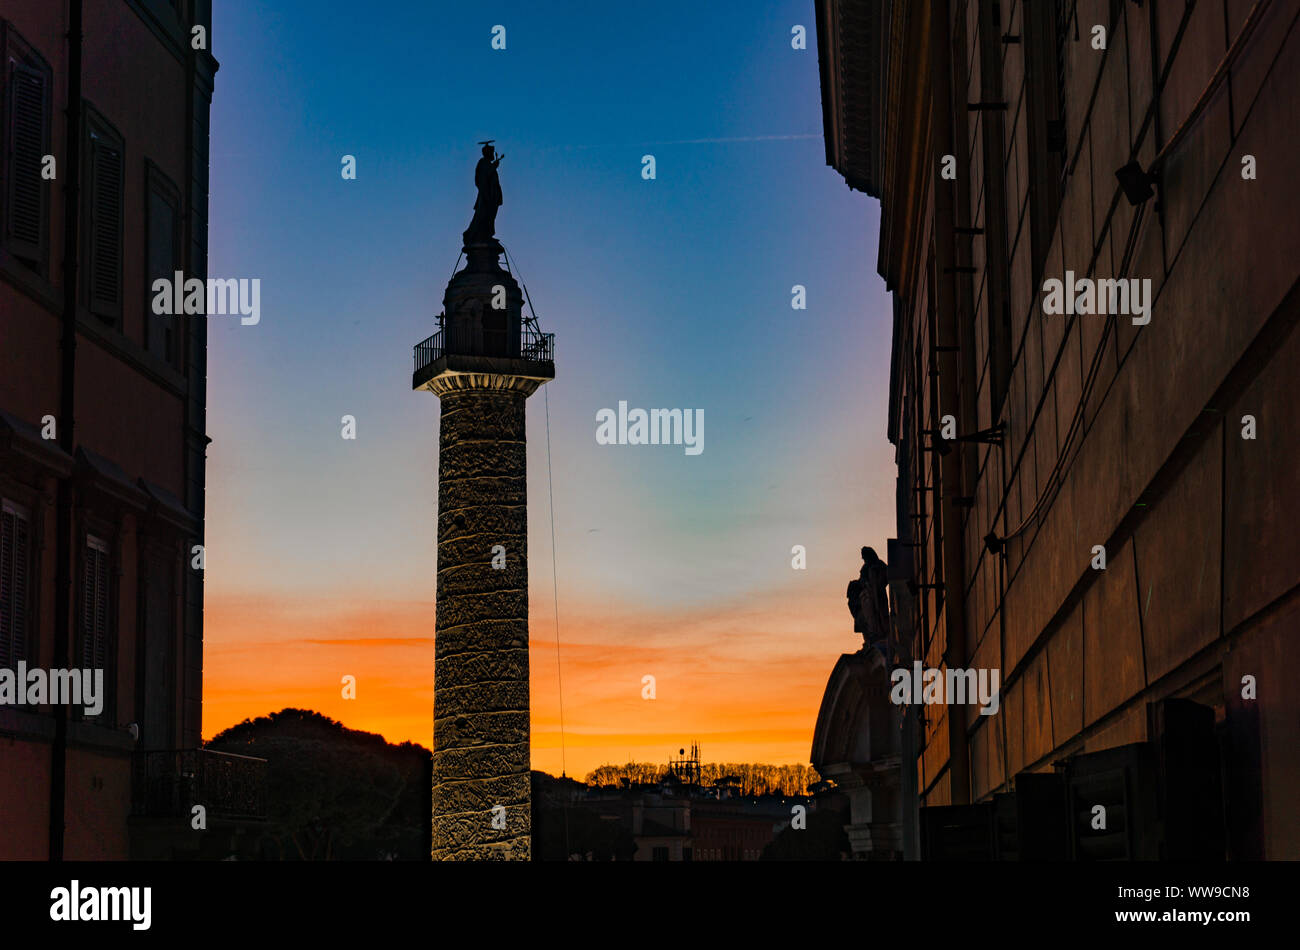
(1088, 222)
(103, 189)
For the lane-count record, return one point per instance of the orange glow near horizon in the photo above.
(741, 286)
(746, 683)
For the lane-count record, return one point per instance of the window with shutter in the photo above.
(162, 253)
(1066, 19)
(96, 644)
(26, 130)
(15, 581)
(103, 227)
(1045, 34)
(996, 241)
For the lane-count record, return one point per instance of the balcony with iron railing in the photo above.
(523, 343)
(169, 783)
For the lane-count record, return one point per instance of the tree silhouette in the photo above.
(336, 792)
(747, 778)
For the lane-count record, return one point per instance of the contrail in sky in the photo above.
(713, 141)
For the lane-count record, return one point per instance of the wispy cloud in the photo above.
(719, 140)
(371, 641)
(745, 677)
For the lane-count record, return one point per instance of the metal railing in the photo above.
(167, 784)
(467, 341)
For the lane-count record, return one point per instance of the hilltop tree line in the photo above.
(749, 778)
(336, 793)
(344, 794)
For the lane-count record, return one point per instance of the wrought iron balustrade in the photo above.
(476, 341)
(167, 784)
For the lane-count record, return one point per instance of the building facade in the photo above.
(857, 746)
(684, 824)
(104, 111)
(1092, 474)
(738, 830)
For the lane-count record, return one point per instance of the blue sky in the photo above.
(669, 293)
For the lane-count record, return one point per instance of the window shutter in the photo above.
(94, 615)
(163, 260)
(19, 591)
(101, 613)
(15, 548)
(105, 226)
(27, 137)
(1065, 16)
(7, 657)
(1044, 34)
(88, 608)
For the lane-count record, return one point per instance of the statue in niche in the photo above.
(868, 601)
(482, 228)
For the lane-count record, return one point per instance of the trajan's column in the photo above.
(482, 364)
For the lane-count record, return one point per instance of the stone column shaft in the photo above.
(481, 778)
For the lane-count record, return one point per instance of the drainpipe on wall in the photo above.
(67, 395)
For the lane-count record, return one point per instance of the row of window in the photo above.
(729, 854)
(1045, 31)
(1044, 35)
(27, 103)
(662, 853)
(96, 644)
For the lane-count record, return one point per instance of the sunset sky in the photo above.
(671, 293)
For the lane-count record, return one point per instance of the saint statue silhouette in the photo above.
(868, 601)
(482, 228)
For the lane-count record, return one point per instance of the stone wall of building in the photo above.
(1127, 437)
(129, 447)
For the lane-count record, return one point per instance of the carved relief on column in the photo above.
(481, 779)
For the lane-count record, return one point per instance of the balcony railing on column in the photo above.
(466, 341)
